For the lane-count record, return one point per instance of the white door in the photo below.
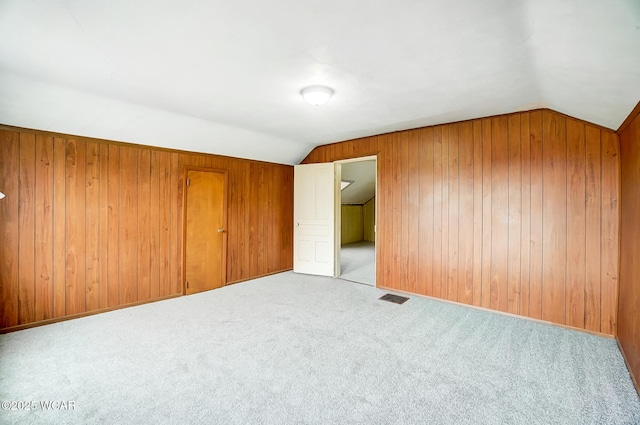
(313, 219)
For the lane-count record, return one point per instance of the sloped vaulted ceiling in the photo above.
(224, 76)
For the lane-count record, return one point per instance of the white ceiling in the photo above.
(224, 76)
(362, 174)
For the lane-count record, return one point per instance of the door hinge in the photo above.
(186, 284)
(188, 181)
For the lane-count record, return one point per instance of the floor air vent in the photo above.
(393, 298)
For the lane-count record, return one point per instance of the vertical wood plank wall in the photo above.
(629, 305)
(89, 224)
(516, 213)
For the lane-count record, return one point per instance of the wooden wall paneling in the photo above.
(413, 205)
(321, 156)
(554, 216)
(576, 224)
(365, 147)
(155, 205)
(503, 214)
(380, 195)
(525, 249)
(425, 226)
(446, 169)
(515, 216)
(248, 254)
(404, 214)
(382, 224)
(389, 245)
(104, 226)
(445, 177)
(437, 212)
(276, 179)
(253, 218)
(75, 278)
(90, 225)
(44, 228)
(610, 230)
(9, 227)
(454, 202)
(593, 151)
(271, 255)
(26, 211)
(244, 220)
(536, 254)
(288, 220)
(232, 227)
(348, 150)
(92, 234)
(395, 208)
(277, 205)
(128, 218)
(628, 315)
(113, 260)
(175, 234)
(262, 202)
(466, 213)
(487, 178)
(500, 212)
(478, 181)
(144, 224)
(59, 227)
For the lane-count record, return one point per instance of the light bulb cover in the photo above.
(1, 195)
(316, 95)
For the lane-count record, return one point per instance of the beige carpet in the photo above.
(297, 349)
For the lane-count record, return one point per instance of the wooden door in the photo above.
(313, 214)
(205, 231)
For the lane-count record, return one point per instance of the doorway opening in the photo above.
(356, 220)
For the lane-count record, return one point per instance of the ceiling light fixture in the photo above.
(316, 95)
(1, 195)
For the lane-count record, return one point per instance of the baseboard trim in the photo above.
(504, 313)
(257, 277)
(626, 362)
(104, 310)
(84, 314)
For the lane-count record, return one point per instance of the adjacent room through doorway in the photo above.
(357, 221)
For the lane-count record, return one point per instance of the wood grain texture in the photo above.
(525, 259)
(478, 181)
(454, 214)
(536, 254)
(59, 240)
(26, 214)
(554, 217)
(514, 213)
(466, 217)
(9, 227)
(128, 228)
(610, 231)
(515, 216)
(92, 234)
(576, 224)
(44, 228)
(628, 313)
(75, 282)
(499, 213)
(90, 225)
(593, 213)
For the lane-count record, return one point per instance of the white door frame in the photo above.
(338, 211)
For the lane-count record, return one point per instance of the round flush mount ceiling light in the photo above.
(316, 95)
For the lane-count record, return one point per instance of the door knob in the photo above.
(220, 230)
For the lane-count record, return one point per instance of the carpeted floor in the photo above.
(358, 262)
(295, 349)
